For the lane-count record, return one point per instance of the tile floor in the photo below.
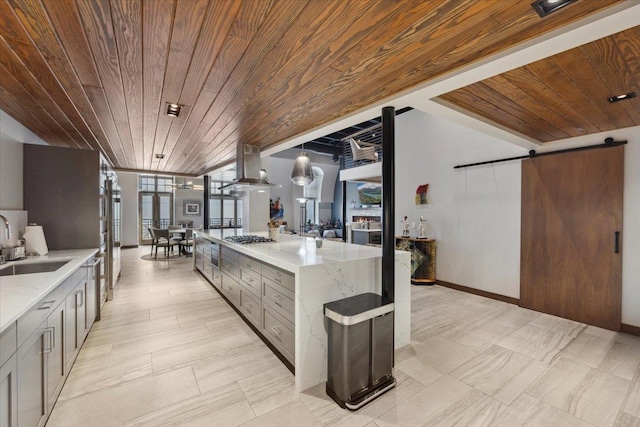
(171, 352)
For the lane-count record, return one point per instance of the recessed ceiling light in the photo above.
(545, 7)
(159, 156)
(173, 110)
(629, 95)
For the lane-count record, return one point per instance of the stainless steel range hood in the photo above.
(249, 164)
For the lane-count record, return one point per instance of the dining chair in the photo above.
(161, 236)
(154, 241)
(186, 243)
(361, 154)
(175, 236)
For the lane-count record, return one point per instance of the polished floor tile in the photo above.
(529, 411)
(500, 373)
(445, 402)
(169, 351)
(587, 393)
(537, 343)
(115, 406)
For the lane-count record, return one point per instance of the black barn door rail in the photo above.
(608, 142)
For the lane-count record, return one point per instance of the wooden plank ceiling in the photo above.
(97, 74)
(564, 95)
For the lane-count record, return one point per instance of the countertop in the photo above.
(292, 252)
(367, 230)
(20, 293)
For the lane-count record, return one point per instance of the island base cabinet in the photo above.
(231, 289)
(280, 332)
(9, 393)
(251, 307)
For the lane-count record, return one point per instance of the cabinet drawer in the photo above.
(30, 320)
(206, 269)
(251, 281)
(230, 267)
(279, 298)
(281, 277)
(231, 289)
(250, 263)
(8, 343)
(280, 332)
(230, 254)
(216, 277)
(251, 307)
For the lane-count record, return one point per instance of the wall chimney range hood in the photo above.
(253, 177)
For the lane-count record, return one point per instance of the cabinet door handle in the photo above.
(94, 264)
(50, 340)
(278, 332)
(46, 305)
(81, 303)
(277, 299)
(616, 248)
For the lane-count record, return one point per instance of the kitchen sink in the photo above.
(32, 267)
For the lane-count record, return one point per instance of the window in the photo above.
(225, 210)
(156, 183)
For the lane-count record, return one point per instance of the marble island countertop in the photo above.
(292, 252)
(21, 292)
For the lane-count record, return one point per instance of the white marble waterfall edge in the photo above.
(318, 284)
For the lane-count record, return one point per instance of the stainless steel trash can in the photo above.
(360, 337)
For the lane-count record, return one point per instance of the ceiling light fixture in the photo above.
(302, 173)
(159, 156)
(173, 110)
(629, 95)
(545, 7)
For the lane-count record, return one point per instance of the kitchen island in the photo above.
(289, 281)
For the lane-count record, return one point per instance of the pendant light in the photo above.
(302, 174)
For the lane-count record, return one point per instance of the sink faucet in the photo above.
(7, 227)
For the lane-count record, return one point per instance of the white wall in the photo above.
(631, 233)
(473, 213)
(12, 135)
(180, 196)
(129, 200)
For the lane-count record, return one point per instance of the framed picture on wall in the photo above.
(191, 207)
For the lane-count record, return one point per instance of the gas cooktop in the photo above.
(246, 239)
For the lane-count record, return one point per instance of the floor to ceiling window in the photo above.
(155, 204)
(225, 208)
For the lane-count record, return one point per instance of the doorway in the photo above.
(571, 260)
(156, 210)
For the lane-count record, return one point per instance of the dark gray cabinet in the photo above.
(9, 393)
(75, 322)
(41, 368)
(32, 384)
(55, 358)
(49, 338)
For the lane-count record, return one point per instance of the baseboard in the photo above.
(128, 247)
(630, 329)
(479, 292)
